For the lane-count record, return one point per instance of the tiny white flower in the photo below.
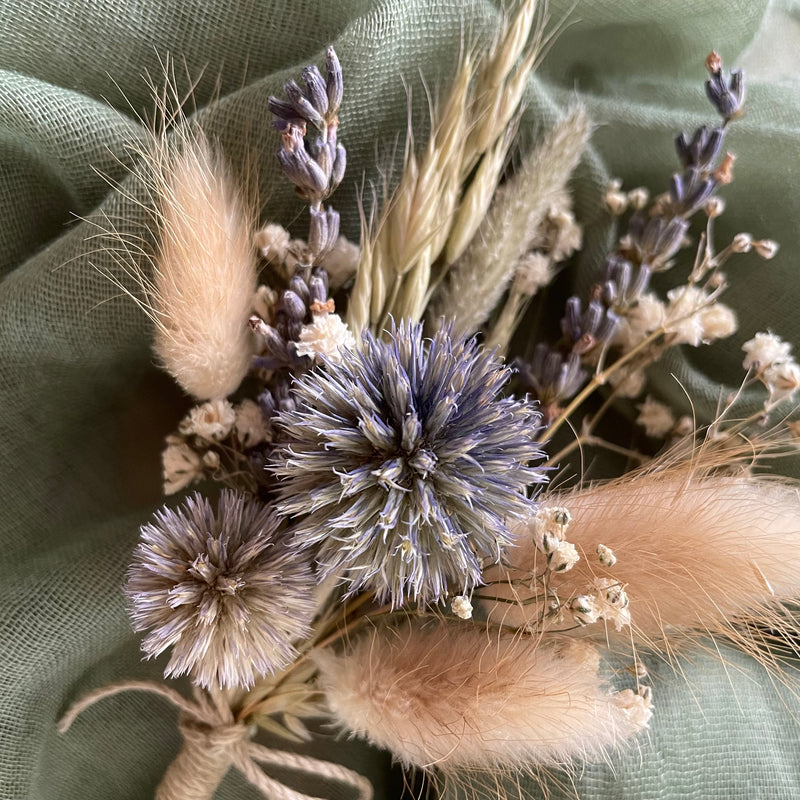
(211, 459)
(533, 272)
(273, 243)
(714, 206)
(569, 235)
(765, 349)
(617, 202)
(637, 706)
(638, 198)
(341, 261)
(250, 425)
(325, 336)
(684, 314)
(766, 248)
(606, 555)
(645, 317)
(563, 558)
(612, 602)
(181, 465)
(782, 380)
(628, 383)
(584, 609)
(718, 322)
(211, 421)
(656, 418)
(742, 243)
(462, 607)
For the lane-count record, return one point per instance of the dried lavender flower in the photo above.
(403, 465)
(226, 591)
(727, 96)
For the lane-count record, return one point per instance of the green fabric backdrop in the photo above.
(83, 411)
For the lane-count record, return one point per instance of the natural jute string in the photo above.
(213, 742)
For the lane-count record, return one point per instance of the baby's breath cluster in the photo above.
(769, 360)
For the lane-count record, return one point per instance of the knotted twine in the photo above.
(213, 742)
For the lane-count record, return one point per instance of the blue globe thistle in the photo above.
(227, 591)
(402, 464)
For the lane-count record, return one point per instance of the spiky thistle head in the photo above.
(402, 465)
(227, 591)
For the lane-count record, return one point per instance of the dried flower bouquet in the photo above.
(388, 551)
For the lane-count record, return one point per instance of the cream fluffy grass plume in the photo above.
(696, 554)
(204, 270)
(456, 697)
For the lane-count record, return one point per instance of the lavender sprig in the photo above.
(315, 166)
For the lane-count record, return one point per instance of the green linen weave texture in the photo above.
(83, 411)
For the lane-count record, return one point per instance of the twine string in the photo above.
(213, 743)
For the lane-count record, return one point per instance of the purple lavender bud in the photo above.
(676, 188)
(300, 288)
(571, 323)
(699, 194)
(315, 89)
(670, 239)
(339, 166)
(285, 112)
(317, 231)
(726, 97)
(323, 156)
(293, 306)
(711, 148)
(318, 288)
(302, 105)
(641, 283)
(590, 321)
(275, 344)
(607, 327)
(303, 172)
(267, 403)
(334, 85)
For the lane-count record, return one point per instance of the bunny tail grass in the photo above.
(204, 271)
(458, 696)
(696, 555)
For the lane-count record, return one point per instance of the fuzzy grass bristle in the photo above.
(460, 696)
(697, 554)
(204, 271)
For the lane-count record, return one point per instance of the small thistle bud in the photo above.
(462, 607)
(605, 556)
(742, 243)
(766, 248)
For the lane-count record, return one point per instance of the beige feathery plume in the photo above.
(695, 554)
(204, 270)
(478, 280)
(458, 696)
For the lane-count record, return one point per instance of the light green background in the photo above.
(82, 410)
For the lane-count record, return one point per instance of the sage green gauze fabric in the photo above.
(83, 411)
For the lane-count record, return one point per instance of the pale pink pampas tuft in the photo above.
(204, 272)
(694, 553)
(457, 696)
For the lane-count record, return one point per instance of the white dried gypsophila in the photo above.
(548, 527)
(563, 558)
(533, 272)
(250, 425)
(656, 418)
(766, 248)
(638, 197)
(341, 262)
(628, 382)
(462, 607)
(606, 555)
(325, 336)
(764, 350)
(612, 602)
(646, 316)
(182, 466)
(568, 234)
(584, 609)
(615, 199)
(264, 302)
(211, 421)
(636, 705)
(683, 315)
(272, 242)
(782, 381)
(718, 322)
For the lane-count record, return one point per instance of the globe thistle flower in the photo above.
(402, 465)
(225, 591)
